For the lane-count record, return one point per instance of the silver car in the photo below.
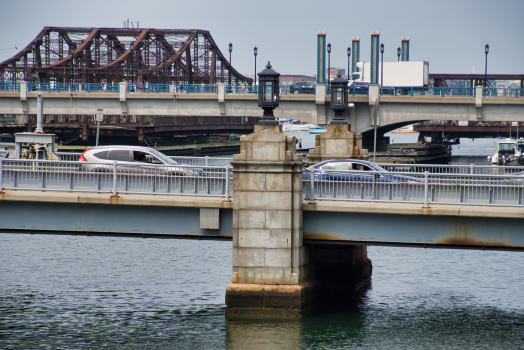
(133, 160)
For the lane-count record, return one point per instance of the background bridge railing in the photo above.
(253, 89)
(414, 187)
(63, 176)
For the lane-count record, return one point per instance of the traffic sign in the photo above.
(99, 115)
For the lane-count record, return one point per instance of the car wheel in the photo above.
(296, 92)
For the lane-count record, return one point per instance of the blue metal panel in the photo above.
(356, 54)
(418, 230)
(321, 57)
(405, 49)
(375, 42)
(109, 219)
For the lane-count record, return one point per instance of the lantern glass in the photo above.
(339, 97)
(268, 91)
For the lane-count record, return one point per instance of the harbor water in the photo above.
(77, 292)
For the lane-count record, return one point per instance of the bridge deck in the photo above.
(325, 222)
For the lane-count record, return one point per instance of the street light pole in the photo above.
(164, 67)
(72, 48)
(255, 51)
(349, 55)
(33, 46)
(132, 64)
(229, 75)
(382, 65)
(398, 53)
(329, 61)
(486, 50)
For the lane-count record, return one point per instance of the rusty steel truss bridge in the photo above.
(92, 55)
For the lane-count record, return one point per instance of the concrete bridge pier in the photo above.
(274, 274)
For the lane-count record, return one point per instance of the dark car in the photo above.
(518, 180)
(133, 160)
(362, 88)
(302, 87)
(324, 172)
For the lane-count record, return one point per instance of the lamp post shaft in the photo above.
(486, 72)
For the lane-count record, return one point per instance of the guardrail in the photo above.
(413, 187)
(253, 89)
(10, 86)
(196, 161)
(63, 176)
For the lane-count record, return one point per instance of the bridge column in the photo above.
(339, 269)
(272, 276)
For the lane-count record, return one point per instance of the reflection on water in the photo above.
(92, 292)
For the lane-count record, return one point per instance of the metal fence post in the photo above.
(207, 160)
(226, 194)
(471, 167)
(311, 185)
(115, 168)
(1, 173)
(426, 192)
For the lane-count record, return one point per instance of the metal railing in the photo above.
(63, 176)
(202, 161)
(67, 87)
(503, 92)
(253, 89)
(10, 86)
(413, 187)
(241, 89)
(426, 184)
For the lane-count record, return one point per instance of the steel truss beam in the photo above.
(91, 55)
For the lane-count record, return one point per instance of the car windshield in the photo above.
(162, 156)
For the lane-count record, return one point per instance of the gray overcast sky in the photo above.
(450, 34)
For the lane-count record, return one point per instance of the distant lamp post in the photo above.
(398, 53)
(268, 92)
(349, 55)
(486, 50)
(382, 65)
(255, 52)
(33, 47)
(339, 98)
(229, 75)
(132, 64)
(72, 48)
(164, 51)
(329, 61)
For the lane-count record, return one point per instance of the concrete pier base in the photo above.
(270, 300)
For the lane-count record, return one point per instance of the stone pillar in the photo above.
(338, 142)
(272, 276)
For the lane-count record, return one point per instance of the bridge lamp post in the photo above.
(349, 55)
(132, 64)
(72, 49)
(33, 47)
(382, 65)
(164, 50)
(329, 61)
(486, 51)
(255, 52)
(339, 98)
(398, 53)
(229, 75)
(268, 94)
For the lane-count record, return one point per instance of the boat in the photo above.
(315, 129)
(509, 153)
(295, 126)
(404, 129)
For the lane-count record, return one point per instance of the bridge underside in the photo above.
(327, 223)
